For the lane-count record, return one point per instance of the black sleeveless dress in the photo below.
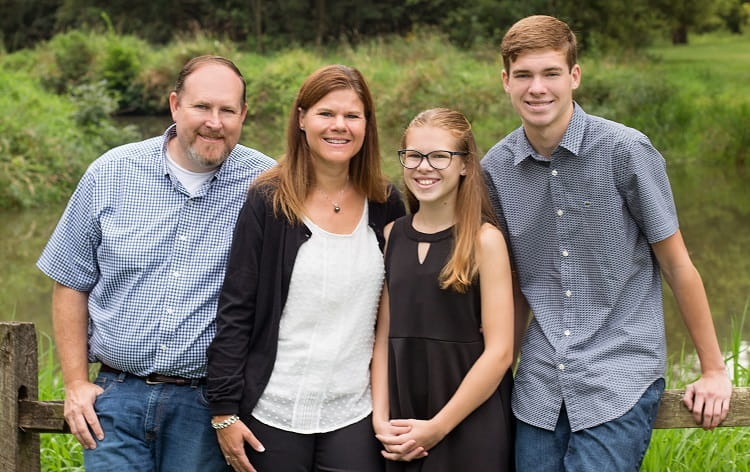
(435, 338)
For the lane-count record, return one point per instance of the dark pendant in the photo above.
(336, 208)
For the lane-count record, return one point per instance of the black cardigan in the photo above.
(264, 248)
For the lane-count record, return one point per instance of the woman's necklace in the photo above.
(335, 203)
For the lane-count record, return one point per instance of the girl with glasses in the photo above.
(444, 341)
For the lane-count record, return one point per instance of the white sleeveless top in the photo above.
(321, 377)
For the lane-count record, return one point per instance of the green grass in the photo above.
(688, 450)
(711, 65)
(58, 452)
(720, 450)
(711, 74)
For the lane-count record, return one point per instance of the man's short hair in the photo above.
(538, 32)
(194, 63)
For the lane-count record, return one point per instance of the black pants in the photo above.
(349, 449)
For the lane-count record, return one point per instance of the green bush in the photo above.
(38, 157)
(47, 141)
(271, 87)
(75, 58)
(69, 60)
(120, 66)
(635, 96)
(95, 103)
(159, 67)
(73, 55)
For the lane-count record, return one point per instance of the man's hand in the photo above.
(232, 441)
(79, 412)
(708, 398)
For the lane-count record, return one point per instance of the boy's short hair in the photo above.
(538, 32)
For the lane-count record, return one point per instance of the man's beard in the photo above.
(205, 162)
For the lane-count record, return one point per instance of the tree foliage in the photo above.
(271, 25)
(684, 15)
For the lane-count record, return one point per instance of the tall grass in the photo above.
(58, 452)
(720, 450)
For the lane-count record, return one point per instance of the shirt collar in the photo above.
(522, 148)
(573, 136)
(168, 135)
(571, 140)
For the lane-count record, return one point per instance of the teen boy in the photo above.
(592, 226)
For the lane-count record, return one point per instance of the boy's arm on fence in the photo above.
(709, 397)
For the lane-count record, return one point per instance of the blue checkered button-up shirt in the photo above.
(151, 256)
(579, 227)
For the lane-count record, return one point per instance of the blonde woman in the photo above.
(444, 344)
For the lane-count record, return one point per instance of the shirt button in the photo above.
(560, 212)
(561, 366)
(183, 237)
(163, 347)
(175, 274)
(170, 311)
(554, 172)
(565, 253)
(566, 332)
(568, 293)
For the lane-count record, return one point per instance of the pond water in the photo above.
(713, 205)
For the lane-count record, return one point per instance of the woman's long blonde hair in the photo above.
(473, 206)
(291, 180)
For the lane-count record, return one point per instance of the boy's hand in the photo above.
(708, 398)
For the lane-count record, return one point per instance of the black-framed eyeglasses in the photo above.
(438, 160)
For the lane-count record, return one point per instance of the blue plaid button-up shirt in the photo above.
(579, 228)
(150, 255)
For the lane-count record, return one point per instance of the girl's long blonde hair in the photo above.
(289, 182)
(473, 206)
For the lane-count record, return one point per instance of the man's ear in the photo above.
(575, 73)
(174, 104)
(505, 77)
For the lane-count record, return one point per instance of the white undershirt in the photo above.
(192, 181)
(321, 377)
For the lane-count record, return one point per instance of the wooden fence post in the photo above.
(19, 450)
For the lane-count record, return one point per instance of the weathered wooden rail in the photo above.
(23, 417)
